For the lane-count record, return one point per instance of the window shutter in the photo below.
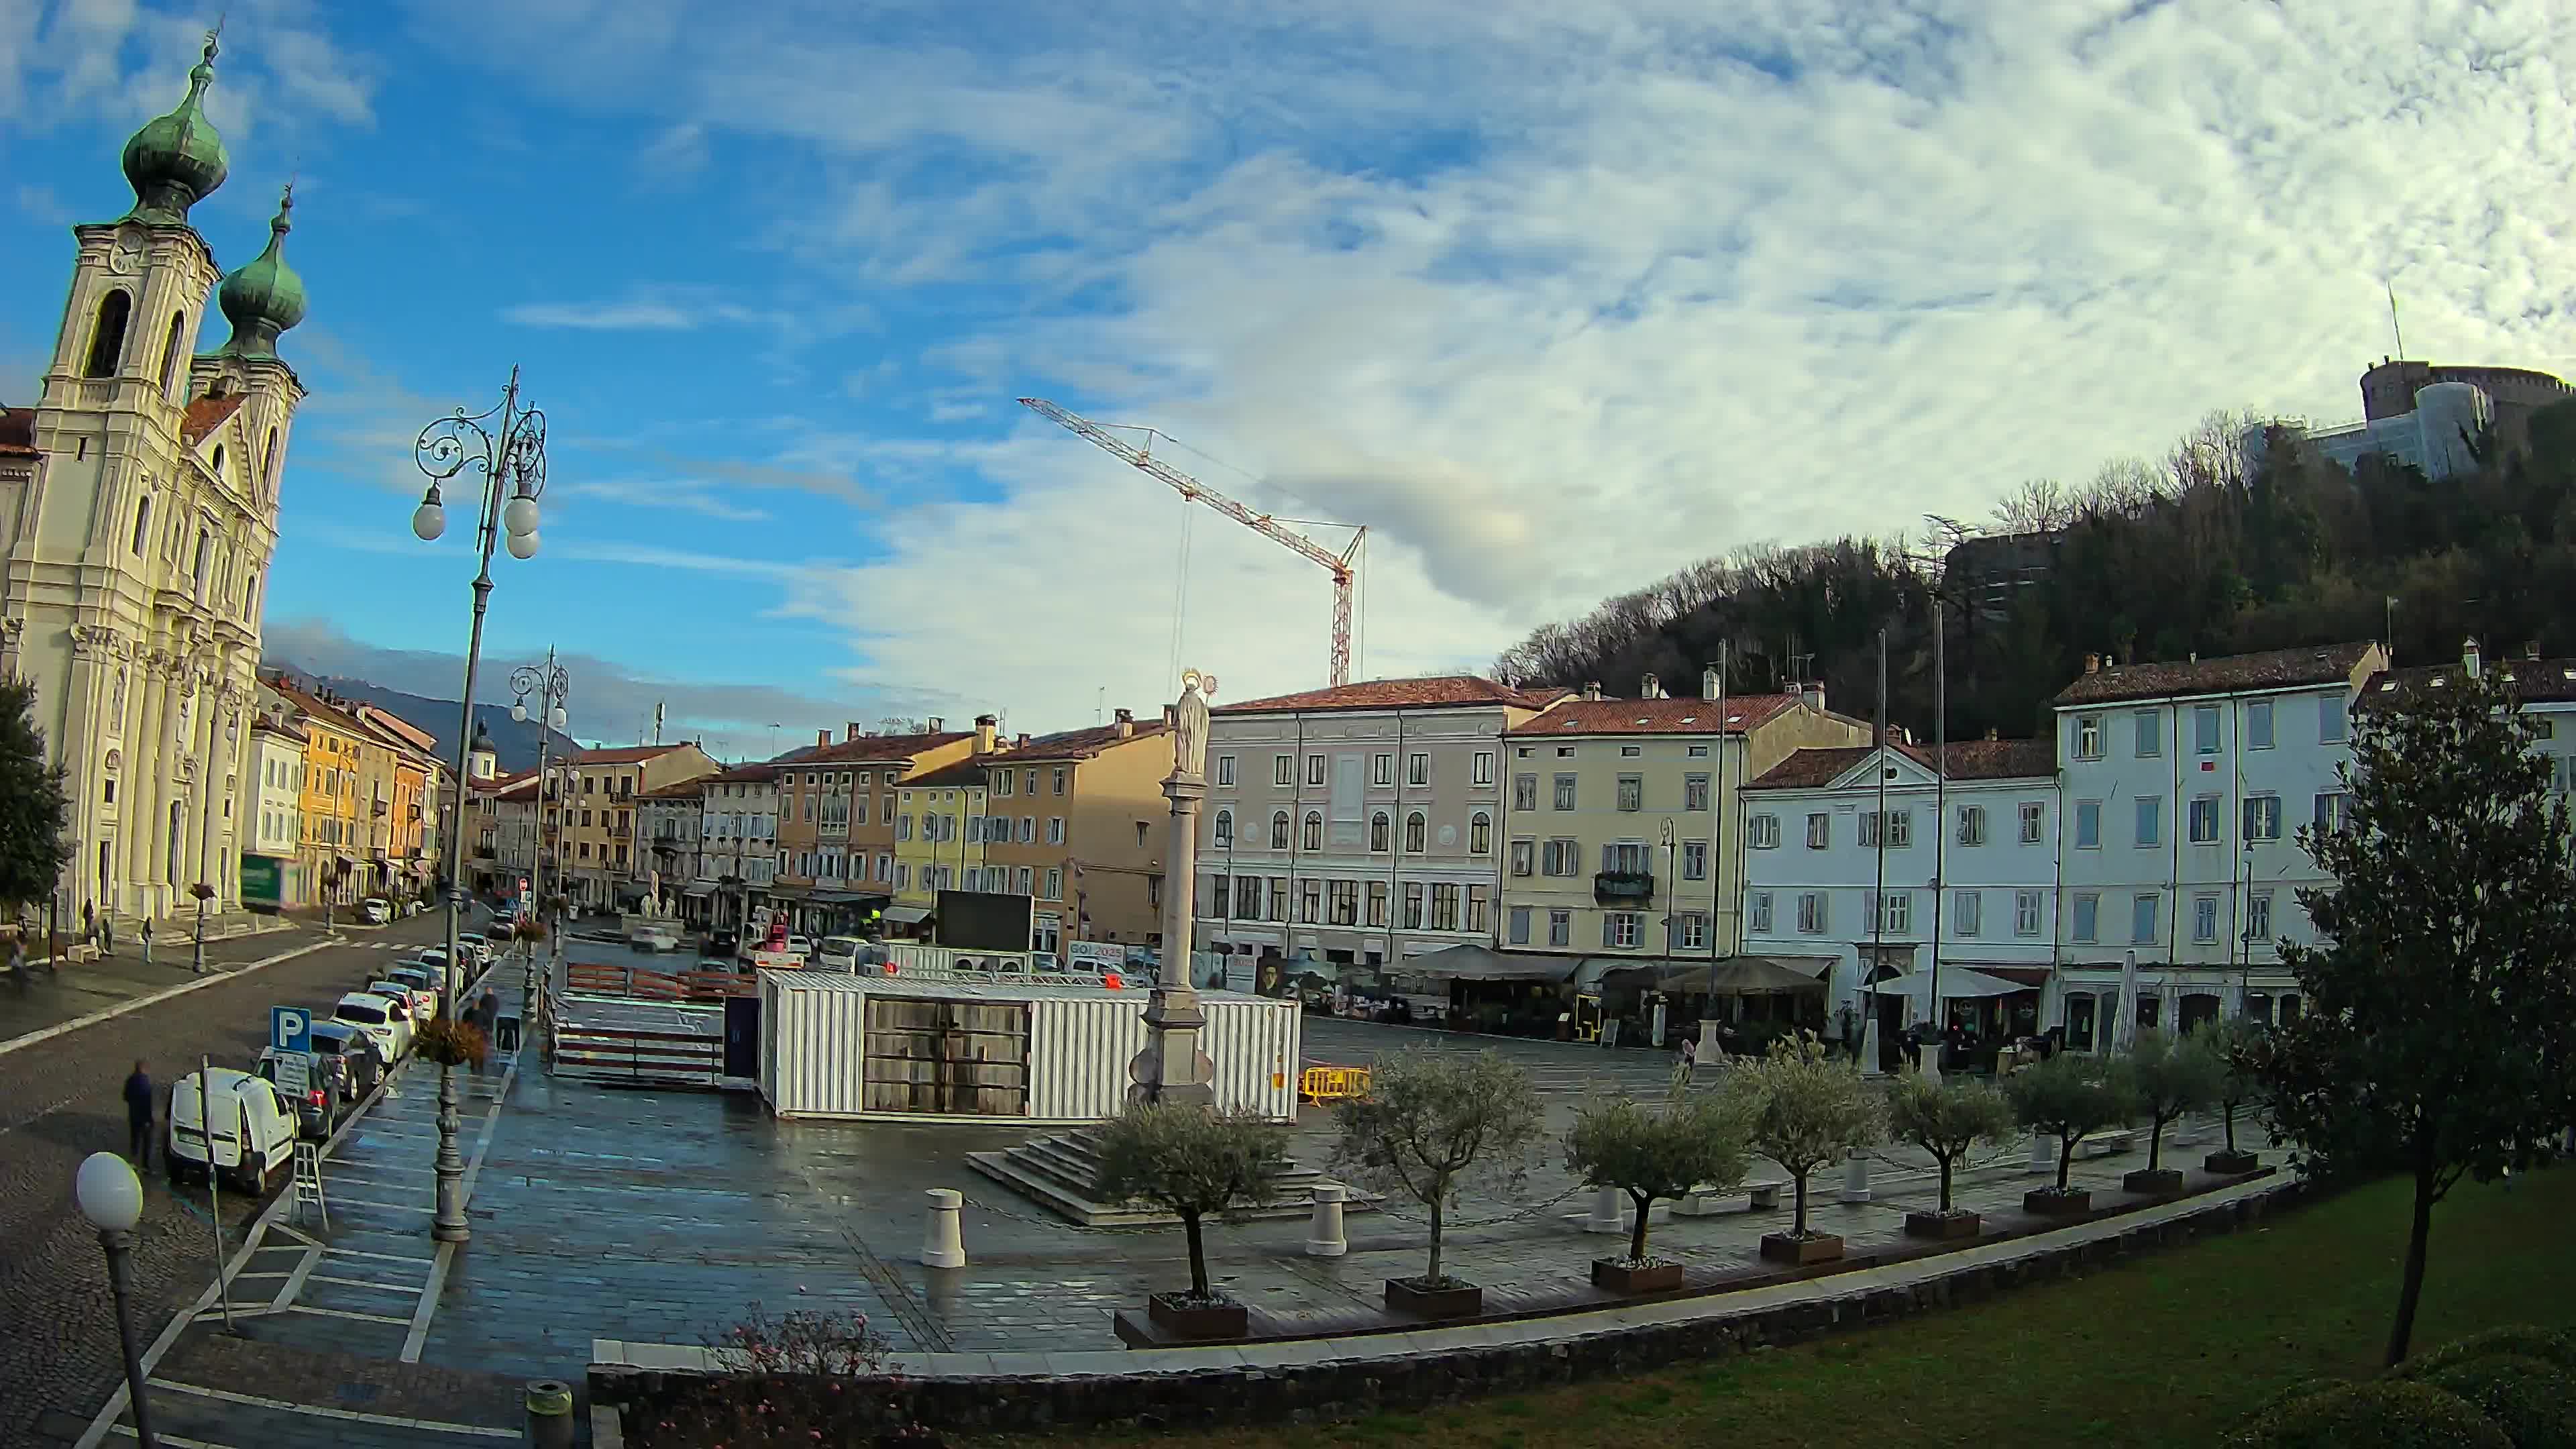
(1608, 935)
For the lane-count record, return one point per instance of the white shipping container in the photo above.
(1080, 1042)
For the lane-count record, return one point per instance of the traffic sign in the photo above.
(290, 1028)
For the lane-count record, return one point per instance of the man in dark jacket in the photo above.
(138, 1117)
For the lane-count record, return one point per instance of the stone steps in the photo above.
(1057, 1173)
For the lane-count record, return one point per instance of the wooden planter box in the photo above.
(1452, 1300)
(1814, 1248)
(1611, 1275)
(1943, 1226)
(2153, 1182)
(2049, 1202)
(1198, 1320)
(2230, 1164)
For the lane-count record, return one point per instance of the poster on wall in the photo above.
(263, 882)
(1240, 973)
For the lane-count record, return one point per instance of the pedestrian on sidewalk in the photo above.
(106, 937)
(18, 961)
(147, 940)
(138, 1117)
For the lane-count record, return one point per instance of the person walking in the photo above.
(18, 961)
(147, 940)
(106, 937)
(138, 1117)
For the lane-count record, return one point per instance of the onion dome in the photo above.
(177, 160)
(265, 297)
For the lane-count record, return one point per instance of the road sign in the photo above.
(290, 1028)
(294, 1073)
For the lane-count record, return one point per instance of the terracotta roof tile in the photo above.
(1968, 760)
(751, 774)
(321, 709)
(1655, 716)
(1806, 769)
(1447, 691)
(207, 414)
(681, 790)
(1074, 745)
(2536, 681)
(873, 749)
(2272, 669)
(949, 777)
(18, 433)
(624, 754)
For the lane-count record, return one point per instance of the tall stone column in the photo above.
(146, 786)
(1174, 1067)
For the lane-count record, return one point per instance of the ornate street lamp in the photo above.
(111, 1197)
(507, 446)
(549, 684)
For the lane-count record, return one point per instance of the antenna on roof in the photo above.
(2399, 333)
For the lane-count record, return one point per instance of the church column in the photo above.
(94, 666)
(178, 704)
(139, 812)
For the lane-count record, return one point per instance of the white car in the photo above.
(376, 909)
(424, 984)
(252, 1135)
(839, 953)
(385, 1019)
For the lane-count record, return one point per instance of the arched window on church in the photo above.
(268, 466)
(170, 355)
(142, 523)
(219, 462)
(107, 339)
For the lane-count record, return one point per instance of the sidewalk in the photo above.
(87, 985)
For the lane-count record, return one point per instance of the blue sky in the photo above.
(1555, 299)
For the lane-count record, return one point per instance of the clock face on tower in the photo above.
(125, 254)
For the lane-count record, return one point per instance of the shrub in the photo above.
(809, 1377)
(451, 1043)
(2525, 1397)
(2384, 1415)
(2549, 1345)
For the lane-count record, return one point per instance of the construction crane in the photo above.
(1191, 489)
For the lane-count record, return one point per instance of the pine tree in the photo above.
(34, 843)
(2441, 1021)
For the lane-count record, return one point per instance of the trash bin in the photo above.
(505, 1033)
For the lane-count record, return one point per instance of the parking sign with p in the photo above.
(290, 1028)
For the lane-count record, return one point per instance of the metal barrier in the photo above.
(1332, 1084)
(638, 1056)
(643, 984)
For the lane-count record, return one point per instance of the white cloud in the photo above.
(639, 315)
(682, 494)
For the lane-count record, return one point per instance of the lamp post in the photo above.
(550, 684)
(111, 1197)
(507, 445)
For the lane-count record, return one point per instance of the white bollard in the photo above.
(1869, 1047)
(1855, 1178)
(943, 1245)
(1324, 1237)
(1607, 1216)
(2043, 1154)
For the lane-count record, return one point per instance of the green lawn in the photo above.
(2167, 1351)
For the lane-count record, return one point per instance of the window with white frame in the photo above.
(1694, 860)
(2204, 919)
(1310, 901)
(1225, 830)
(1812, 916)
(2034, 821)
(1632, 792)
(1561, 857)
(1762, 832)
(1897, 910)
(1694, 792)
(2204, 729)
(1382, 769)
(2262, 817)
(1524, 856)
(1417, 769)
(2088, 824)
(1413, 905)
(1311, 837)
(1314, 769)
(2088, 737)
(2258, 724)
(2086, 928)
(1757, 912)
(1972, 825)
(1690, 932)
(1525, 792)
(1484, 768)
(1560, 928)
(2142, 917)
(1968, 912)
(2026, 913)
(2150, 727)
(1622, 929)
(1283, 770)
(1224, 770)
(1564, 793)
(1820, 831)
(1055, 830)
(2258, 916)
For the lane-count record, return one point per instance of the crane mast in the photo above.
(1192, 490)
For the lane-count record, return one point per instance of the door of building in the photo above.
(742, 1036)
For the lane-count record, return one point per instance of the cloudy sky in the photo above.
(1554, 299)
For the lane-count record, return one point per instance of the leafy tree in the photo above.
(1433, 1119)
(1805, 1109)
(34, 812)
(1946, 1118)
(2234, 1043)
(2440, 1035)
(1191, 1162)
(2070, 1096)
(2174, 1076)
(1690, 1142)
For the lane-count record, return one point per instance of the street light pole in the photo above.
(551, 685)
(507, 445)
(111, 1197)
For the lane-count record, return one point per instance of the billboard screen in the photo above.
(984, 921)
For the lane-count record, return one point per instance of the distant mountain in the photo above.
(514, 743)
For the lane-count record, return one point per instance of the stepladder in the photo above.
(308, 1187)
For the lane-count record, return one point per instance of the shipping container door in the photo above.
(939, 1056)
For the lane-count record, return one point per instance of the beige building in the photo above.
(1616, 826)
(1077, 822)
(1360, 825)
(606, 866)
(840, 823)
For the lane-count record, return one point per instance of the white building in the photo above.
(1963, 871)
(737, 843)
(2184, 787)
(273, 804)
(138, 512)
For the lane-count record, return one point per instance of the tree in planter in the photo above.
(2440, 1035)
(1947, 1119)
(1190, 1162)
(1433, 1120)
(2069, 1097)
(1804, 1109)
(2234, 1043)
(1691, 1142)
(2173, 1076)
(34, 847)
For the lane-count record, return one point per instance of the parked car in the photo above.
(253, 1136)
(376, 909)
(327, 1097)
(367, 1064)
(800, 946)
(383, 1018)
(405, 1000)
(838, 953)
(723, 942)
(500, 927)
(424, 989)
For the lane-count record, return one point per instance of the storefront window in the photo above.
(2079, 1022)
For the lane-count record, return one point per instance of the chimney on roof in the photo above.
(1592, 689)
(1991, 736)
(1812, 695)
(934, 725)
(2192, 658)
(2531, 650)
(1126, 723)
(2469, 658)
(1650, 688)
(1708, 684)
(1021, 742)
(822, 738)
(2092, 663)
(850, 730)
(985, 726)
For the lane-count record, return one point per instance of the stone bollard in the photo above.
(2043, 1155)
(1856, 1178)
(549, 1403)
(943, 1245)
(1324, 1236)
(1606, 1215)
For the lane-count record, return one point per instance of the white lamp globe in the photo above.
(558, 718)
(428, 521)
(109, 1193)
(523, 545)
(519, 711)
(519, 515)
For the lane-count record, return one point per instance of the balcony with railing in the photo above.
(1624, 887)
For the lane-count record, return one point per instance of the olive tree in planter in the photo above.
(1805, 1108)
(1946, 1118)
(2233, 1043)
(2173, 1076)
(1191, 1162)
(1690, 1143)
(2069, 1097)
(1431, 1122)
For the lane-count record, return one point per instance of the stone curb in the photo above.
(1326, 1379)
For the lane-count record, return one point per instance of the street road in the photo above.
(61, 1100)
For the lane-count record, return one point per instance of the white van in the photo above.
(657, 935)
(253, 1135)
(382, 1018)
(838, 953)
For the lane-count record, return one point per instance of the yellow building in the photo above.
(836, 838)
(1077, 822)
(939, 836)
(1614, 819)
(604, 866)
(334, 743)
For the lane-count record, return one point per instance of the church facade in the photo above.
(138, 515)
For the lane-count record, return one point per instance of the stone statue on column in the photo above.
(1173, 1067)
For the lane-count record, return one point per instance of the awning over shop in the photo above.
(701, 888)
(1741, 976)
(1956, 982)
(906, 915)
(1479, 963)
